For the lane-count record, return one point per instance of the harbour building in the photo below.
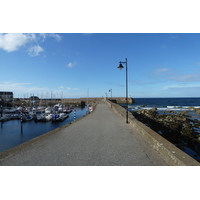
(5, 97)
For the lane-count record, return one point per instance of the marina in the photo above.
(19, 127)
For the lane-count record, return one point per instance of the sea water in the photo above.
(167, 104)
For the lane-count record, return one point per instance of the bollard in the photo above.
(21, 119)
(74, 115)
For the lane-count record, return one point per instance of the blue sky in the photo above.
(68, 64)
(165, 64)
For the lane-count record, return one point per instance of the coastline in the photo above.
(175, 119)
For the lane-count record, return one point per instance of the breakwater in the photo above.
(75, 102)
(170, 153)
(92, 141)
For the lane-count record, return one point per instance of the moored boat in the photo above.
(26, 118)
(15, 116)
(40, 117)
(48, 110)
(67, 110)
(90, 108)
(48, 117)
(5, 118)
(59, 117)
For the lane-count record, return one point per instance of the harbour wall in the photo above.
(67, 101)
(170, 153)
(75, 102)
(121, 100)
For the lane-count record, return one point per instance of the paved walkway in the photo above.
(101, 138)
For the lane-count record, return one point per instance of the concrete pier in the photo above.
(101, 138)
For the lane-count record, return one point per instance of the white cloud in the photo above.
(161, 71)
(190, 77)
(13, 41)
(70, 65)
(146, 82)
(44, 36)
(182, 87)
(182, 90)
(174, 86)
(35, 50)
(20, 88)
(56, 36)
(9, 85)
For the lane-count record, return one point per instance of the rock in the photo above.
(198, 111)
(170, 111)
(196, 135)
(181, 146)
(184, 112)
(197, 148)
(191, 108)
(187, 125)
(177, 128)
(187, 129)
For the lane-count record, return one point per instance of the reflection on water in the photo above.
(14, 132)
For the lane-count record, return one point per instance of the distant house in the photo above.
(6, 96)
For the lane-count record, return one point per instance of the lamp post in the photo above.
(111, 96)
(121, 67)
(111, 93)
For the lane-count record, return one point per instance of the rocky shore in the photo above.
(178, 128)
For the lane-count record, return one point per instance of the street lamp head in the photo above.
(120, 66)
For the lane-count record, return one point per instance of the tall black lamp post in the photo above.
(111, 96)
(111, 93)
(121, 67)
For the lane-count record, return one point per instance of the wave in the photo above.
(168, 108)
(175, 110)
(183, 107)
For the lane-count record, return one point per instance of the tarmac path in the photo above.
(101, 138)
